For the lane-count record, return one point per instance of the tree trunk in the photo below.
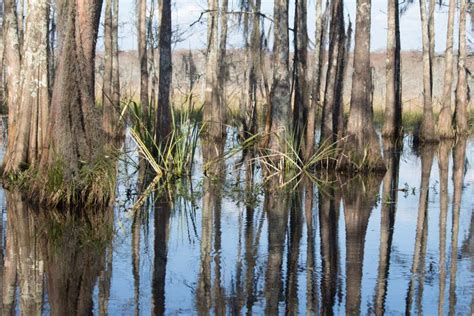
(142, 55)
(115, 58)
(460, 113)
(445, 128)
(331, 107)
(280, 92)
(213, 114)
(393, 104)
(74, 133)
(427, 130)
(361, 144)
(254, 52)
(30, 116)
(107, 89)
(316, 84)
(163, 118)
(300, 107)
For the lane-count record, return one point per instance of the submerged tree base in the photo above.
(353, 159)
(92, 186)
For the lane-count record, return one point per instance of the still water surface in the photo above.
(394, 245)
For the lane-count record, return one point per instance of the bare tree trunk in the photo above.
(28, 133)
(427, 130)
(300, 107)
(362, 145)
(393, 104)
(254, 73)
(107, 90)
(213, 114)
(163, 118)
(316, 84)
(12, 62)
(142, 54)
(21, 21)
(331, 107)
(445, 128)
(115, 58)
(280, 92)
(74, 132)
(460, 113)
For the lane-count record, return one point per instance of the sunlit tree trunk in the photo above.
(74, 132)
(107, 89)
(361, 145)
(460, 113)
(214, 111)
(12, 64)
(427, 131)
(300, 106)
(393, 102)
(163, 118)
(28, 134)
(142, 54)
(445, 128)
(280, 91)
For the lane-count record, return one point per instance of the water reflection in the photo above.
(392, 245)
(54, 261)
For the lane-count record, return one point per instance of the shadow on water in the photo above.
(223, 243)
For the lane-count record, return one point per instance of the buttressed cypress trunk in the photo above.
(445, 129)
(393, 103)
(163, 119)
(427, 129)
(74, 131)
(460, 114)
(280, 92)
(361, 144)
(29, 115)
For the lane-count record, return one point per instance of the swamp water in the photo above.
(395, 245)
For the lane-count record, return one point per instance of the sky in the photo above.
(185, 12)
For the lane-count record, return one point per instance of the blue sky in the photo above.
(187, 11)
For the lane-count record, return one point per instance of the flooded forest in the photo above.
(263, 157)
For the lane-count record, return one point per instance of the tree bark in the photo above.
(142, 54)
(115, 58)
(316, 84)
(427, 130)
(30, 116)
(163, 118)
(213, 114)
(300, 106)
(361, 145)
(107, 89)
(445, 128)
(75, 135)
(280, 91)
(331, 107)
(460, 113)
(393, 104)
